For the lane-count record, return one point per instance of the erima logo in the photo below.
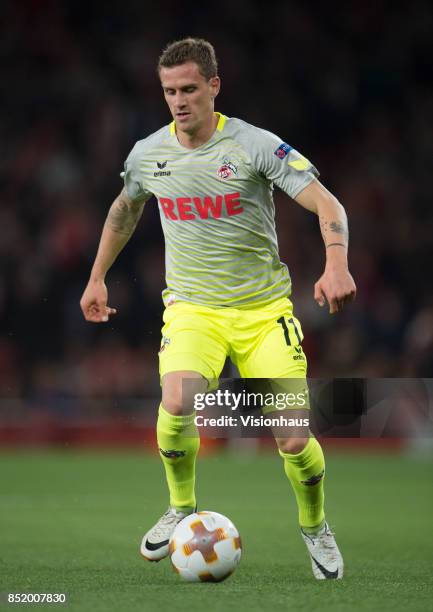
(299, 356)
(162, 172)
(172, 454)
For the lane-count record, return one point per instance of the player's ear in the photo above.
(215, 84)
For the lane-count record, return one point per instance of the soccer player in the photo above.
(227, 291)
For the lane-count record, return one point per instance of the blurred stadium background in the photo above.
(350, 86)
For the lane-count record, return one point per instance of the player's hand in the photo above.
(94, 302)
(337, 287)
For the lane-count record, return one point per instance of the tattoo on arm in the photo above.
(337, 227)
(329, 228)
(124, 214)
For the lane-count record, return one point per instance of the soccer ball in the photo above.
(205, 547)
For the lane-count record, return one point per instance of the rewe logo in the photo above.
(187, 209)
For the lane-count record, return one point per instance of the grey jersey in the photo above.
(217, 211)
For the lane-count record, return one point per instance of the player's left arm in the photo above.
(336, 284)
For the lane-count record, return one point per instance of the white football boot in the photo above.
(154, 545)
(326, 559)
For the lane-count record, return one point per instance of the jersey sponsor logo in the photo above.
(228, 169)
(283, 150)
(161, 172)
(208, 207)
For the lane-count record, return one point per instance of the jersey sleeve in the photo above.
(281, 164)
(132, 177)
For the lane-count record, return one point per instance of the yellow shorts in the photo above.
(263, 342)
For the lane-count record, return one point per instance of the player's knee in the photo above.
(179, 390)
(177, 403)
(173, 403)
(293, 446)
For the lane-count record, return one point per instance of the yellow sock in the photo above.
(178, 442)
(306, 471)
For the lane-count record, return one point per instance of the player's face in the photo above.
(189, 96)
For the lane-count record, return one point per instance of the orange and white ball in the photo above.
(205, 547)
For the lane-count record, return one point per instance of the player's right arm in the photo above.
(119, 226)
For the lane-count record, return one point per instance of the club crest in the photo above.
(164, 343)
(227, 170)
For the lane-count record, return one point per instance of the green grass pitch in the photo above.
(72, 522)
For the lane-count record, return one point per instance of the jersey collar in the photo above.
(220, 125)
